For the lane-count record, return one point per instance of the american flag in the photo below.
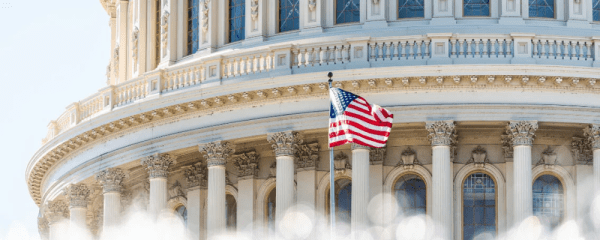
(352, 119)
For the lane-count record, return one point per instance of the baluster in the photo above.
(379, 52)
(410, 50)
(251, 65)
(317, 56)
(338, 54)
(372, 54)
(588, 46)
(509, 45)
(322, 59)
(419, 53)
(551, 50)
(535, 48)
(404, 50)
(255, 64)
(476, 44)
(484, 51)
(300, 56)
(393, 51)
(427, 52)
(581, 52)
(345, 54)
(461, 48)
(469, 45)
(388, 48)
(493, 43)
(247, 65)
(453, 45)
(563, 50)
(543, 48)
(307, 56)
(397, 51)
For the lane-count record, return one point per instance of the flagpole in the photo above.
(331, 173)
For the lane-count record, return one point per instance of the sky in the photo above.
(52, 53)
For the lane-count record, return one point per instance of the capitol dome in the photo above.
(217, 111)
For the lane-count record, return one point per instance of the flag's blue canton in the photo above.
(341, 99)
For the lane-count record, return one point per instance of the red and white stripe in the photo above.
(361, 124)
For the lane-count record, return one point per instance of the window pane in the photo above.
(347, 11)
(289, 15)
(193, 34)
(237, 21)
(411, 194)
(411, 9)
(548, 198)
(476, 8)
(596, 9)
(479, 206)
(541, 8)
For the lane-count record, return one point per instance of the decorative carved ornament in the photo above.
(581, 150)
(176, 190)
(217, 153)
(312, 5)
(408, 159)
(307, 155)
(273, 169)
(116, 61)
(254, 9)
(111, 179)
(377, 155)
(284, 143)
(592, 132)
(196, 175)
(164, 31)
(479, 157)
(341, 162)
(548, 159)
(158, 164)
(134, 44)
(57, 210)
(441, 133)
(521, 132)
(247, 164)
(507, 146)
(78, 195)
(205, 12)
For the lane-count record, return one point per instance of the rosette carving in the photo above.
(377, 155)
(56, 211)
(284, 143)
(247, 164)
(307, 155)
(592, 132)
(217, 153)
(441, 133)
(158, 164)
(111, 179)
(78, 195)
(521, 132)
(196, 175)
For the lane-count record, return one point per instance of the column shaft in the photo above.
(193, 213)
(77, 223)
(158, 195)
(216, 200)
(442, 189)
(522, 195)
(112, 209)
(285, 186)
(58, 230)
(360, 189)
(596, 165)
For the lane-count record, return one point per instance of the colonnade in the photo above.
(208, 182)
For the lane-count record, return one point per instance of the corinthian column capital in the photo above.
(441, 133)
(521, 133)
(111, 179)
(247, 164)
(78, 195)
(217, 153)
(56, 211)
(284, 143)
(196, 175)
(158, 164)
(356, 146)
(592, 132)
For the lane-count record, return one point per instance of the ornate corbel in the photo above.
(479, 157)
(408, 159)
(176, 190)
(549, 159)
(196, 175)
(341, 162)
(307, 156)
(592, 132)
(581, 150)
(507, 146)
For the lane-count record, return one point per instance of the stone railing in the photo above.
(349, 53)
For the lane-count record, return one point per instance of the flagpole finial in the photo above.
(330, 75)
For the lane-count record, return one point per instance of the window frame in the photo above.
(228, 23)
(470, 17)
(593, 20)
(409, 18)
(462, 203)
(564, 187)
(278, 18)
(419, 177)
(335, 2)
(555, 17)
(187, 27)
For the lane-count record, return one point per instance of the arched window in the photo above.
(343, 199)
(410, 192)
(231, 212)
(548, 200)
(411, 8)
(182, 213)
(476, 8)
(289, 15)
(270, 210)
(347, 11)
(596, 10)
(193, 30)
(157, 32)
(237, 21)
(541, 8)
(479, 206)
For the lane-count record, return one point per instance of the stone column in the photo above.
(284, 144)
(442, 134)
(110, 180)
(57, 213)
(360, 188)
(593, 134)
(157, 166)
(376, 158)
(111, 75)
(196, 178)
(521, 134)
(216, 154)
(247, 166)
(78, 196)
(307, 162)
(122, 19)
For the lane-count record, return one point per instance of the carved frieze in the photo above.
(408, 159)
(111, 179)
(377, 155)
(196, 175)
(216, 153)
(247, 164)
(581, 150)
(307, 155)
(158, 164)
(78, 195)
(441, 133)
(521, 132)
(592, 132)
(548, 159)
(284, 143)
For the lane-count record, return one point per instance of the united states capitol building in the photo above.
(217, 111)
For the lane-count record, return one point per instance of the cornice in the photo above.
(57, 150)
